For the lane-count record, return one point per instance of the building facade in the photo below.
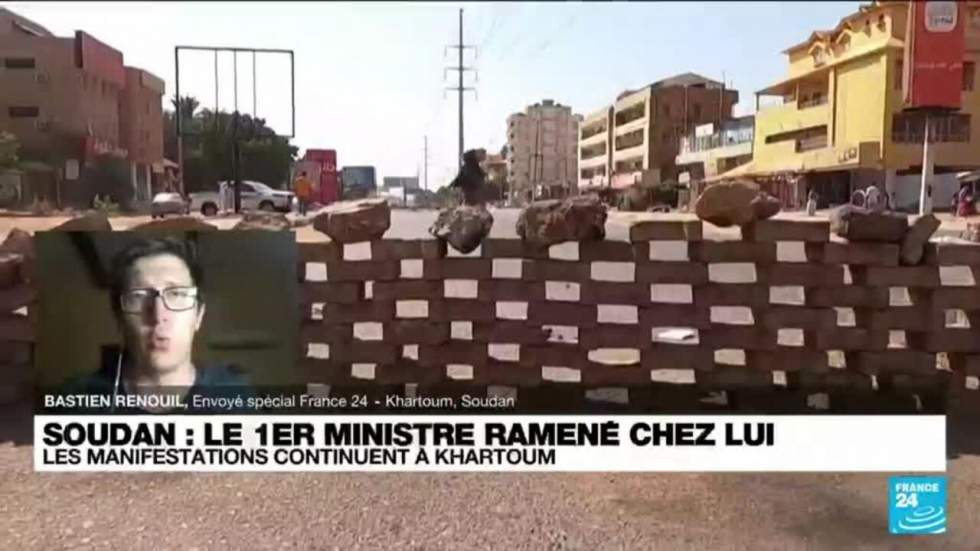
(542, 146)
(636, 139)
(72, 103)
(712, 149)
(839, 124)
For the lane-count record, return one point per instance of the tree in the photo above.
(208, 147)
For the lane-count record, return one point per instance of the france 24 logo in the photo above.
(917, 505)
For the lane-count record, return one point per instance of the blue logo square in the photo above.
(917, 504)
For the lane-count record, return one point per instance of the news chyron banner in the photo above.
(488, 443)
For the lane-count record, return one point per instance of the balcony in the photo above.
(594, 139)
(599, 160)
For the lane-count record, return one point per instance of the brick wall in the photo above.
(784, 307)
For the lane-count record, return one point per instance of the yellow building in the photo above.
(840, 125)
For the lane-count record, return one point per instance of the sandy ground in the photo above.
(521, 511)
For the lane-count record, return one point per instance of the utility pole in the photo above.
(425, 161)
(460, 89)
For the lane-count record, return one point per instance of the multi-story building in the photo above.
(595, 154)
(712, 149)
(495, 165)
(840, 123)
(543, 151)
(636, 140)
(72, 101)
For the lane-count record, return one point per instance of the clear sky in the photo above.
(370, 80)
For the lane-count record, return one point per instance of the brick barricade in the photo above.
(548, 318)
(631, 313)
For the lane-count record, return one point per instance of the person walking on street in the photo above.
(303, 188)
(471, 178)
(811, 203)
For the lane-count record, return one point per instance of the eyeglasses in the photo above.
(176, 299)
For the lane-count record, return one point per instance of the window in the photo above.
(697, 110)
(22, 111)
(19, 63)
(909, 127)
(899, 75)
(666, 110)
(969, 70)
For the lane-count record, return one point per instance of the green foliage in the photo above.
(105, 205)
(208, 149)
(111, 179)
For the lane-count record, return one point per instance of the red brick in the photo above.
(968, 364)
(787, 230)
(16, 297)
(807, 275)
(891, 361)
(861, 254)
(398, 249)
(952, 254)
(554, 313)
(606, 375)
(732, 294)
(615, 336)
(461, 310)
(787, 359)
(556, 270)
(675, 315)
(511, 290)
(367, 270)
(935, 382)
(313, 370)
(797, 317)
(458, 268)
(320, 252)
(470, 353)
(672, 272)
(610, 292)
(904, 276)
(17, 328)
(328, 333)
(907, 318)
(847, 339)
(833, 379)
(408, 290)
(504, 373)
(687, 228)
(607, 251)
(374, 310)
(510, 248)
(947, 340)
(416, 332)
(676, 356)
(734, 251)
(342, 293)
(738, 337)
(553, 355)
(364, 352)
(732, 377)
(403, 371)
(964, 298)
(509, 332)
(847, 296)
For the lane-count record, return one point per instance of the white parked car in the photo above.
(255, 196)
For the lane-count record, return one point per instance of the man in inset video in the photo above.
(157, 300)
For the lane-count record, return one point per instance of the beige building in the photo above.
(542, 146)
(636, 140)
(71, 101)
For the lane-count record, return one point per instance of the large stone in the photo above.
(93, 221)
(273, 221)
(859, 224)
(544, 223)
(972, 232)
(729, 203)
(179, 223)
(463, 227)
(354, 221)
(765, 206)
(19, 242)
(914, 244)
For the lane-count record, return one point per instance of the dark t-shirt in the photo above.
(214, 381)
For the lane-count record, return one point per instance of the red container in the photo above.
(326, 178)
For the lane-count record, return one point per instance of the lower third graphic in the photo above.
(917, 505)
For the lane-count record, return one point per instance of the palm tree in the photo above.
(187, 107)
